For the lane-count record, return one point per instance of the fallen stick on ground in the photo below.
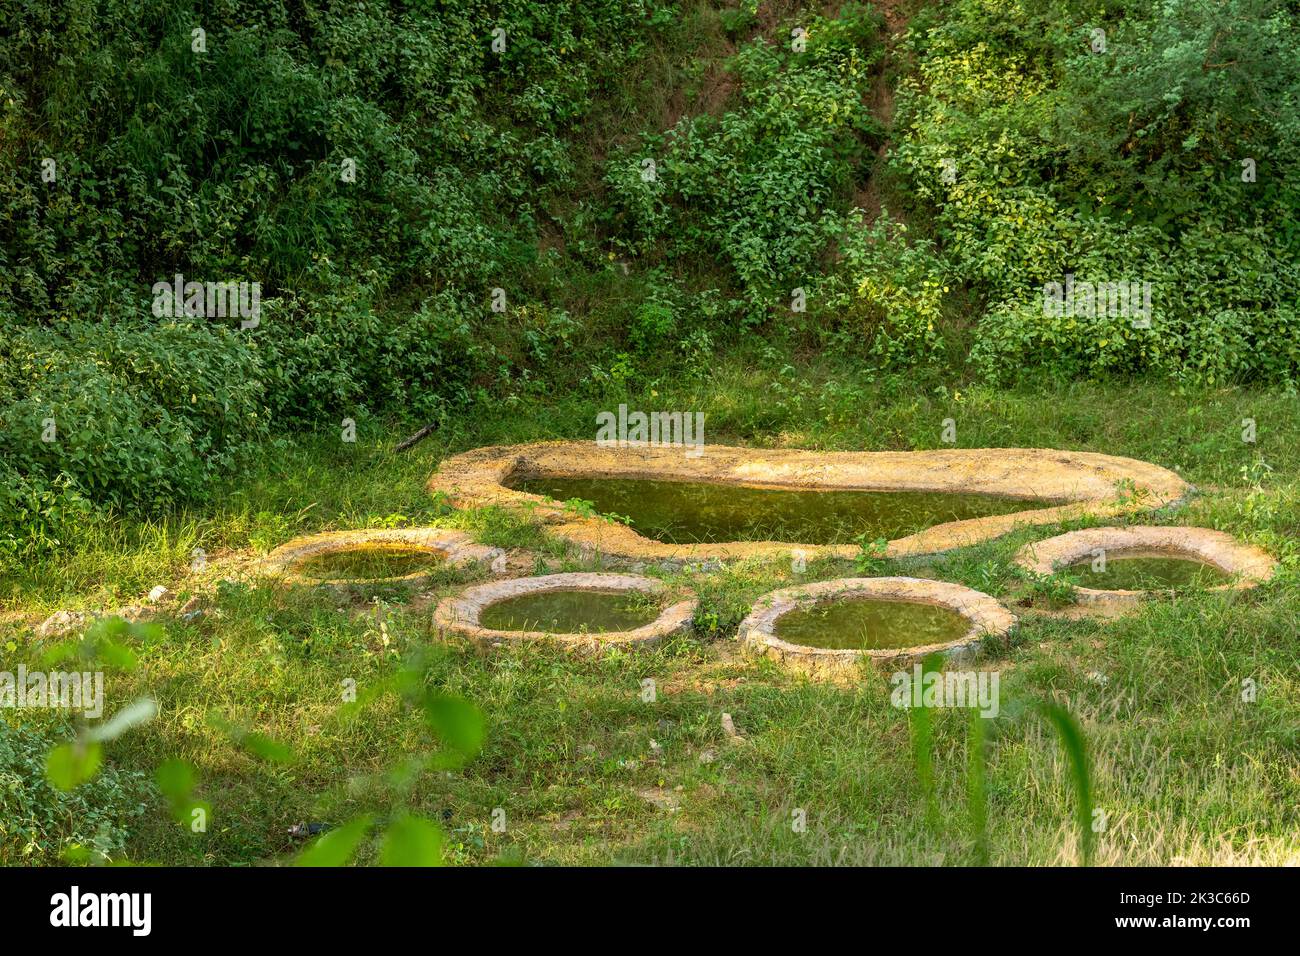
(419, 436)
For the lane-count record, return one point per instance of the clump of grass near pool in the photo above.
(571, 612)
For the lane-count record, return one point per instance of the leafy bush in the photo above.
(37, 514)
(375, 168)
(1111, 166)
(39, 822)
(1180, 96)
(229, 163)
(134, 418)
(888, 293)
(763, 187)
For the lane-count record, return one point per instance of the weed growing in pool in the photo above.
(582, 507)
(1054, 589)
(587, 509)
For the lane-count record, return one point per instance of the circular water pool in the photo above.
(1127, 565)
(826, 629)
(863, 623)
(580, 610)
(373, 556)
(370, 562)
(575, 611)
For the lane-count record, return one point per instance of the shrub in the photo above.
(1113, 166)
(762, 188)
(376, 168)
(133, 418)
(887, 293)
(39, 822)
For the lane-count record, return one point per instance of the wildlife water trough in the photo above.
(827, 629)
(583, 611)
(722, 502)
(373, 556)
(1123, 566)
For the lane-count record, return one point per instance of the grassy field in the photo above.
(582, 769)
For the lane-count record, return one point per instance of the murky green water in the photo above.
(368, 563)
(678, 512)
(571, 612)
(1142, 571)
(863, 623)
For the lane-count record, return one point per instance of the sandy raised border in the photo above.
(453, 547)
(1074, 484)
(460, 613)
(1250, 564)
(757, 632)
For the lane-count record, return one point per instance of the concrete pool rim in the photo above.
(459, 613)
(987, 617)
(1071, 485)
(451, 547)
(1250, 565)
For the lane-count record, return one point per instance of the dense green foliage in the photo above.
(522, 167)
(761, 187)
(40, 823)
(1109, 165)
(227, 164)
(134, 417)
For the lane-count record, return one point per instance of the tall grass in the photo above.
(1076, 750)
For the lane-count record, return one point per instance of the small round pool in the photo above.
(373, 556)
(580, 610)
(828, 628)
(1123, 566)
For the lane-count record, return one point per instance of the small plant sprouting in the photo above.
(1256, 474)
(587, 509)
(1055, 589)
(581, 507)
(991, 575)
(871, 555)
(1128, 494)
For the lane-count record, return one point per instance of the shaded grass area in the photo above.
(585, 769)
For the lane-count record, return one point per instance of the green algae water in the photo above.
(368, 562)
(1145, 571)
(681, 512)
(867, 623)
(571, 612)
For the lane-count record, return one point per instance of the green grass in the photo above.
(1183, 768)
